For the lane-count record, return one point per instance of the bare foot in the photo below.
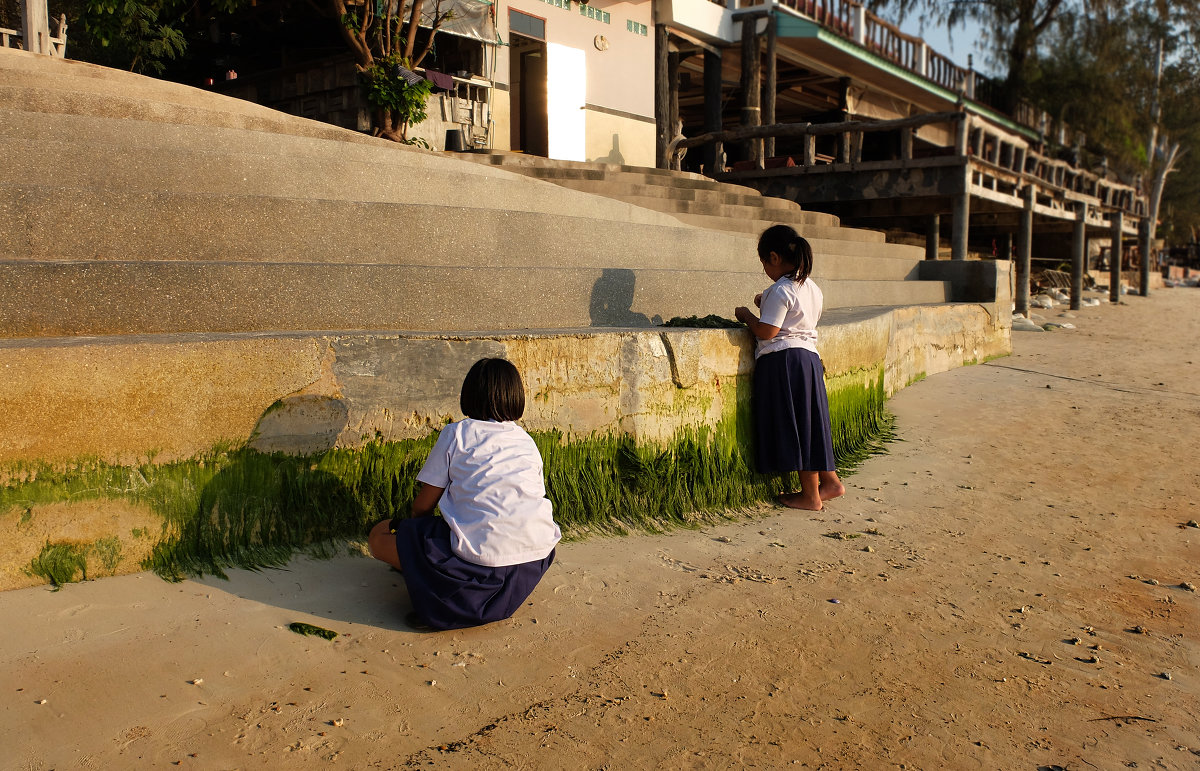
(830, 485)
(799, 501)
(831, 490)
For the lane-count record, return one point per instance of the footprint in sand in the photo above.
(581, 586)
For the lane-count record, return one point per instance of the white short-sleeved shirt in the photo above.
(795, 309)
(495, 501)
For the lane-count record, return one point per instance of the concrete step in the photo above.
(43, 299)
(753, 223)
(53, 101)
(659, 189)
(522, 160)
(83, 224)
(142, 156)
(616, 189)
(631, 174)
(58, 77)
(715, 212)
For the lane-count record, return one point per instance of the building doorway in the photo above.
(527, 65)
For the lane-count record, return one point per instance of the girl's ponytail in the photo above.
(791, 248)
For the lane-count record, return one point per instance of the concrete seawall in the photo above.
(119, 403)
(126, 399)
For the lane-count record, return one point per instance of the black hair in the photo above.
(791, 248)
(492, 390)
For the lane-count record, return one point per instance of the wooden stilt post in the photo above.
(1114, 259)
(712, 109)
(933, 236)
(673, 102)
(751, 86)
(962, 218)
(662, 96)
(1146, 245)
(769, 88)
(1025, 251)
(1078, 255)
(35, 27)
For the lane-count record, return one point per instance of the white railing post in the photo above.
(923, 59)
(860, 24)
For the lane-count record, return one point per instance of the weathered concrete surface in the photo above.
(122, 401)
(110, 297)
(127, 398)
(83, 522)
(175, 210)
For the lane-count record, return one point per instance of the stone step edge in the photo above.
(844, 316)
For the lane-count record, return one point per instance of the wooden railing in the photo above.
(851, 20)
(999, 160)
(11, 38)
(887, 41)
(837, 15)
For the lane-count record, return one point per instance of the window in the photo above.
(636, 27)
(595, 13)
(524, 24)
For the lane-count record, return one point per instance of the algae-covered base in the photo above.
(248, 509)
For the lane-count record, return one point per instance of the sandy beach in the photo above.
(1012, 586)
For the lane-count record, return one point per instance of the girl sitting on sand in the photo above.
(478, 561)
(791, 408)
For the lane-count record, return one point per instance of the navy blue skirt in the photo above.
(448, 592)
(791, 413)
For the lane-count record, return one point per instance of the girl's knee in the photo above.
(382, 543)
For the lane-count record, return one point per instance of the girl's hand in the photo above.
(758, 300)
(760, 330)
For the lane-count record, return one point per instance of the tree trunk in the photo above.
(355, 41)
(1171, 156)
(410, 40)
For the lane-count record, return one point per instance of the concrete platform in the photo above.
(124, 398)
(44, 298)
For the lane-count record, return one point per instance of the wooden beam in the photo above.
(1145, 241)
(821, 129)
(663, 152)
(1078, 255)
(712, 109)
(1114, 259)
(771, 86)
(751, 87)
(675, 128)
(1025, 251)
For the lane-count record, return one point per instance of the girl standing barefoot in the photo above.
(791, 407)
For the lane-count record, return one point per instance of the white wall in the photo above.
(619, 80)
(566, 68)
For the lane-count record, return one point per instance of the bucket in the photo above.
(454, 141)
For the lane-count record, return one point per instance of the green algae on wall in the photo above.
(59, 563)
(244, 508)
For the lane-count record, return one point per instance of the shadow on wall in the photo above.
(612, 301)
(614, 155)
